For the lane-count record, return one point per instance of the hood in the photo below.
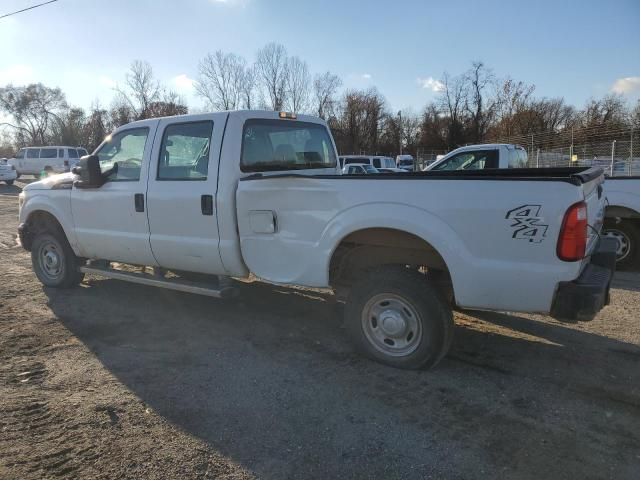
(52, 181)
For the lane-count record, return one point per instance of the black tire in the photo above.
(628, 235)
(416, 315)
(53, 260)
(9, 182)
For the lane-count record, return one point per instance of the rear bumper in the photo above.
(582, 298)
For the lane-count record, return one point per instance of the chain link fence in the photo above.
(617, 151)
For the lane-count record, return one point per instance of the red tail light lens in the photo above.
(572, 242)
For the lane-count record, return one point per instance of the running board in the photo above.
(172, 284)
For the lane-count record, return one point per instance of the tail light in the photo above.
(572, 242)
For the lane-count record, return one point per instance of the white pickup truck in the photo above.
(233, 193)
(622, 214)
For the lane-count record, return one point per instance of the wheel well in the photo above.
(616, 211)
(383, 246)
(37, 222)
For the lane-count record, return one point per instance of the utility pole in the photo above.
(400, 128)
(571, 148)
(613, 152)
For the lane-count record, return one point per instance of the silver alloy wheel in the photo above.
(624, 243)
(50, 260)
(391, 324)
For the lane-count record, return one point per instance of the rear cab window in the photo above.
(277, 145)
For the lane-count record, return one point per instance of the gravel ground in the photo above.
(114, 380)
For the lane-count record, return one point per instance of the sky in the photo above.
(571, 49)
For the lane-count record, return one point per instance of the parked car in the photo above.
(359, 169)
(234, 194)
(7, 172)
(622, 213)
(405, 162)
(48, 160)
(377, 161)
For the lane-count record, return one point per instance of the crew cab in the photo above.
(231, 194)
(622, 213)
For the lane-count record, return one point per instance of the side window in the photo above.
(72, 153)
(476, 160)
(123, 153)
(61, 153)
(49, 153)
(33, 153)
(184, 154)
(20, 153)
(376, 162)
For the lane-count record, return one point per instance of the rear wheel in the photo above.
(627, 234)
(54, 263)
(9, 182)
(396, 316)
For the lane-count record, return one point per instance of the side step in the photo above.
(172, 284)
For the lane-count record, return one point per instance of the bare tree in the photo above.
(247, 87)
(141, 88)
(325, 87)
(221, 80)
(452, 101)
(479, 108)
(34, 109)
(298, 84)
(512, 98)
(271, 70)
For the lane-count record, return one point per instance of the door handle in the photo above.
(138, 200)
(206, 204)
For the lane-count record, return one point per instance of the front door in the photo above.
(111, 221)
(183, 182)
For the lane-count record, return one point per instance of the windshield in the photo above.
(272, 145)
(405, 162)
(370, 169)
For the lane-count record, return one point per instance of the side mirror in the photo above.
(89, 172)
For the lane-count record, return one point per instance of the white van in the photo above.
(405, 162)
(54, 159)
(378, 161)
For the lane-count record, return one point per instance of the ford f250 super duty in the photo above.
(231, 194)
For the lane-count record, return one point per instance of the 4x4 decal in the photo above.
(527, 223)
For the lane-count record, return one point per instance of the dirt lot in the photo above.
(113, 380)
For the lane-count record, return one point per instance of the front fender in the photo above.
(55, 203)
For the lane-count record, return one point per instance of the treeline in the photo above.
(474, 106)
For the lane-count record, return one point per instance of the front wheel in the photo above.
(627, 234)
(54, 263)
(396, 316)
(9, 182)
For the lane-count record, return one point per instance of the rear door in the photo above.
(183, 182)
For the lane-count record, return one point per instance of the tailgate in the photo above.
(594, 197)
